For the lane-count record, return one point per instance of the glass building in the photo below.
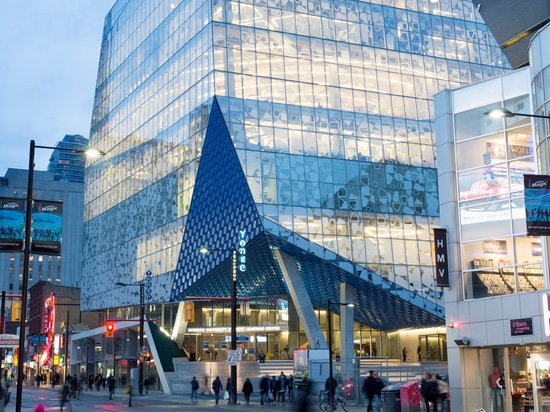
(308, 124)
(68, 166)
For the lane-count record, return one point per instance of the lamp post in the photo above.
(504, 112)
(26, 258)
(141, 327)
(234, 260)
(331, 385)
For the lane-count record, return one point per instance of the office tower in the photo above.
(308, 124)
(67, 166)
(60, 267)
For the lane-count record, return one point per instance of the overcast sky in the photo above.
(49, 53)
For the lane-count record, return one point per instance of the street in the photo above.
(99, 400)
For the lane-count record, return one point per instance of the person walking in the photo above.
(264, 390)
(194, 388)
(129, 390)
(228, 389)
(430, 391)
(282, 384)
(217, 387)
(273, 389)
(290, 386)
(369, 389)
(419, 353)
(111, 385)
(247, 390)
(65, 390)
(404, 351)
(378, 392)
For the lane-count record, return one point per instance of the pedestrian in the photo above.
(273, 389)
(404, 354)
(264, 390)
(430, 391)
(247, 390)
(90, 382)
(228, 390)
(369, 389)
(217, 387)
(111, 385)
(419, 353)
(290, 386)
(64, 395)
(194, 388)
(330, 387)
(147, 383)
(261, 357)
(378, 392)
(281, 384)
(3, 398)
(129, 389)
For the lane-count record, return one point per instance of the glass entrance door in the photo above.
(540, 375)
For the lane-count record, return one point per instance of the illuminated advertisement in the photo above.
(12, 224)
(537, 204)
(49, 322)
(47, 227)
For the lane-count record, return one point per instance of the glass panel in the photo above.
(475, 123)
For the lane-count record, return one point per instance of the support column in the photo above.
(300, 297)
(347, 294)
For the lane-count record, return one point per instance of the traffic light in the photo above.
(148, 357)
(109, 329)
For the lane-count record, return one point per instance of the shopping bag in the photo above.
(226, 395)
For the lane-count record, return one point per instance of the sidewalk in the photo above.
(206, 401)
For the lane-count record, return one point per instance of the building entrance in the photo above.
(540, 376)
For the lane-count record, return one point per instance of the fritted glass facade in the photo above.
(328, 105)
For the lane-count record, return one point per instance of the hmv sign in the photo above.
(441, 258)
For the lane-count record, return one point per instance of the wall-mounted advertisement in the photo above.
(47, 227)
(12, 224)
(537, 204)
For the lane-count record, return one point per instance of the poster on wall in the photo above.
(12, 224)
(495, 246)
(537, 204)
(47, 227)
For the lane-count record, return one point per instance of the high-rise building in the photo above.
(307, 124)
(62, 267)
(66, 165)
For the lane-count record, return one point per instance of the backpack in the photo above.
(195, 385)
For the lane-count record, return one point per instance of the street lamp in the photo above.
(26, 257)
(141, 327)
(234, 259)
(331, 385)
(504, 112)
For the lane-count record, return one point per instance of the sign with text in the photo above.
(12, 224)
(537, 199)
(520, 327)
(441, 258)
(47, 227)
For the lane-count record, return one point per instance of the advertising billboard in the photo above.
(47, 227)
(537, 204)
(12, 224)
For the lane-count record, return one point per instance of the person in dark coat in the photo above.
(111, 385)
(369, 389)
(264, 390)
(217, 387)
(228, 389)
(247, 390)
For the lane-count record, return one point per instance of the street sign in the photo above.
(232, 358)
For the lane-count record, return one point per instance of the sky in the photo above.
(49, 54)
